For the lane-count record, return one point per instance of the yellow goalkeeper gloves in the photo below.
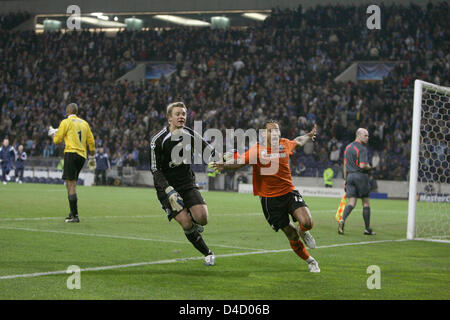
(92, 164)
(175, 200)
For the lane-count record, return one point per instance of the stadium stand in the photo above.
(282, 69)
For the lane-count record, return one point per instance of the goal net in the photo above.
(429, 183)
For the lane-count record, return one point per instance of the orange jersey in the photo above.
(271, 173)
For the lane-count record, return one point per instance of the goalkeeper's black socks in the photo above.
(366, 216)
(196, 239)
(348, 209)
(73, 203)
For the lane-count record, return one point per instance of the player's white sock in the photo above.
(313, 265)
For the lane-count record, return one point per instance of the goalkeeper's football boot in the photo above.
(210, 259)
(313, 266)
(369, 232)
(341, 227)
(307, 238)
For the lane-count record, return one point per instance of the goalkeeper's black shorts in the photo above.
(73, 163)
(191, 196)
(277, 209)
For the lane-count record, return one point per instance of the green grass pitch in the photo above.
(127, 249)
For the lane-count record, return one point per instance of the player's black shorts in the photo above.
(357, 185)
(191, 196)
(73, 163)
(277, 209)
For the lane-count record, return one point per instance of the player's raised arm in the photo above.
(301, 140)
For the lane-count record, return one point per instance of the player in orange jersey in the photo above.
(272, 182)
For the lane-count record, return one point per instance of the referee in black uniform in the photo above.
(356, 176)
(174, 179)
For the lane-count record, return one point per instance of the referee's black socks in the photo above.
(73, 204)
(366, 216)
(196, 239)
(348, 209)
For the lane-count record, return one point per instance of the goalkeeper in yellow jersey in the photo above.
(76, 133)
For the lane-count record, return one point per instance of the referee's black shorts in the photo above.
(73, 163)
(277, 209)
(357, 185)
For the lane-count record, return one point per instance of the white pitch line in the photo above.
(121, 237)
(139, 264)
(433, 240)
(87, 218)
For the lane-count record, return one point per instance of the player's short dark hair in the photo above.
(270, 121)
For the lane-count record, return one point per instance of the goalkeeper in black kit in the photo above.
(174, 179)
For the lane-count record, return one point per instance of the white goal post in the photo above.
(429, 191)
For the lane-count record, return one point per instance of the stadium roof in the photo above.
(152, 20)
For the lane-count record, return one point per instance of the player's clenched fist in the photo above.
(175, 200)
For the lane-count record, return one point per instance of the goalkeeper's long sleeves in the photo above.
(159, 179)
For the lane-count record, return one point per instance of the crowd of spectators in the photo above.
(12, 20)
(284, 69)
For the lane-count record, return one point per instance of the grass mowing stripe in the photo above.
(139, 264)
(121, 237)
(159, 216)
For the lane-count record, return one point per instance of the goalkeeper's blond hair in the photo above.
(72, 108)
(173, 105)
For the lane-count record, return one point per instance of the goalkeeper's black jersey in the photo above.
(169, 165)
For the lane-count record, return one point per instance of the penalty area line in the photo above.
(167, 261)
